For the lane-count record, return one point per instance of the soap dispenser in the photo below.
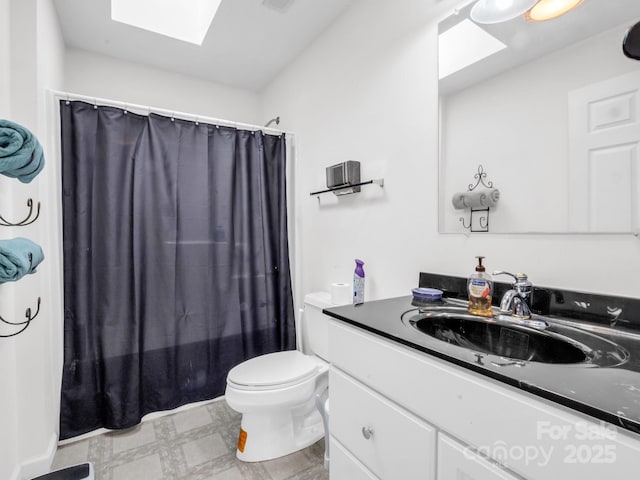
(480, 288)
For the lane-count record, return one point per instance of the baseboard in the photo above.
(38, 465)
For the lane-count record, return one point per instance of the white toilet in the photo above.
(276, 393)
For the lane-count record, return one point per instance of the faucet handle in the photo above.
(520, 278)
(514, 301)
(521, 284)
(502, 272)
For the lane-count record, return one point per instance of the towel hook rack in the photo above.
(24, 324)
(27, 220)
(478, 202)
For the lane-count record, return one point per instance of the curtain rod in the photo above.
(145, 110)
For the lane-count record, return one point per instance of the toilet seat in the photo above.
(273, 371)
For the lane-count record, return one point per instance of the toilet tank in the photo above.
(313, 329)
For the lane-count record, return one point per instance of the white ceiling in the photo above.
(247, 45)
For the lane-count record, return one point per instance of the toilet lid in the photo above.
(273, 369)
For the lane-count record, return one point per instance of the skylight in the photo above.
(186, 20)
(464, 44)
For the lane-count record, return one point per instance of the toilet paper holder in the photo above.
(479, 202)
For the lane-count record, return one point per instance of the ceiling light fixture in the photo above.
(496, 11)
(186, 20)
(550, 9)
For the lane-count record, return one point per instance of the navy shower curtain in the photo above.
(176, 264)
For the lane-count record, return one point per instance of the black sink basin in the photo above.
(509, 341)
(555, 344)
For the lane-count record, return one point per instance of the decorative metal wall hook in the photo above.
(27, 221)
(28, 315)
(478, 221)
(480, 176)
(24, 324)
(484, 221)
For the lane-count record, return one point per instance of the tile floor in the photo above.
(195, 444)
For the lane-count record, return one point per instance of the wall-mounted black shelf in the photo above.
(378, 181)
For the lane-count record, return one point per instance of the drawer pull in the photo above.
(367, 432)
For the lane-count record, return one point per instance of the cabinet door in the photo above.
(388, 440)
(344, 466)
(457, 462)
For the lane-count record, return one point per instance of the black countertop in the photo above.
(611, 393)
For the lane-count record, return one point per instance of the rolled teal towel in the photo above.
(14, 258)
(21, 154)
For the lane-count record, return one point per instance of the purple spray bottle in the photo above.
(358, 283)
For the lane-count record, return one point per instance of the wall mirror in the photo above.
(551, 111)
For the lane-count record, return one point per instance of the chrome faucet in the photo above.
(514, 301)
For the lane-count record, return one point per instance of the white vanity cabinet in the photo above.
(425, 418)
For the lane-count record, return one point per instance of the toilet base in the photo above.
(273, 434)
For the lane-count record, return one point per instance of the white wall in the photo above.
(31, 362)
(367, 90)
(8, 446)
(50, 76)
(4, 58)
(479, 128)
(100, 76)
